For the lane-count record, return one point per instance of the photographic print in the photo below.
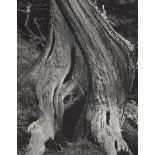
(77, 77)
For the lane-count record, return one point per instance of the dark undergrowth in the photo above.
(81, 147)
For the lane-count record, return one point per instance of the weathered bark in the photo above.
(84, 57)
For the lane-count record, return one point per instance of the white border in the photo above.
(146, 77)
(8, 76)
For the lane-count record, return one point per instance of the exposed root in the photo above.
(40, 132)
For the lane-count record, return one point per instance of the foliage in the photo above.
(27, 106)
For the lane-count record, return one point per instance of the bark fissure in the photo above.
(108, 118)
(115, 145)
(52, 47)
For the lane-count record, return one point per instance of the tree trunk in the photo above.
(86, 61)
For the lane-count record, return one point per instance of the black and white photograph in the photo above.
(77, 77)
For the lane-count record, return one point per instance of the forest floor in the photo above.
(124, 21)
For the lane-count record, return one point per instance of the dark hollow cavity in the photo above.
(108, 118)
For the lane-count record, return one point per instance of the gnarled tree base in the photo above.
(84, 58)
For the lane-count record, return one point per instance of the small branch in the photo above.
(22, 10)
(26, 23)
(38, 9)
(69, 105)
(38, 27)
